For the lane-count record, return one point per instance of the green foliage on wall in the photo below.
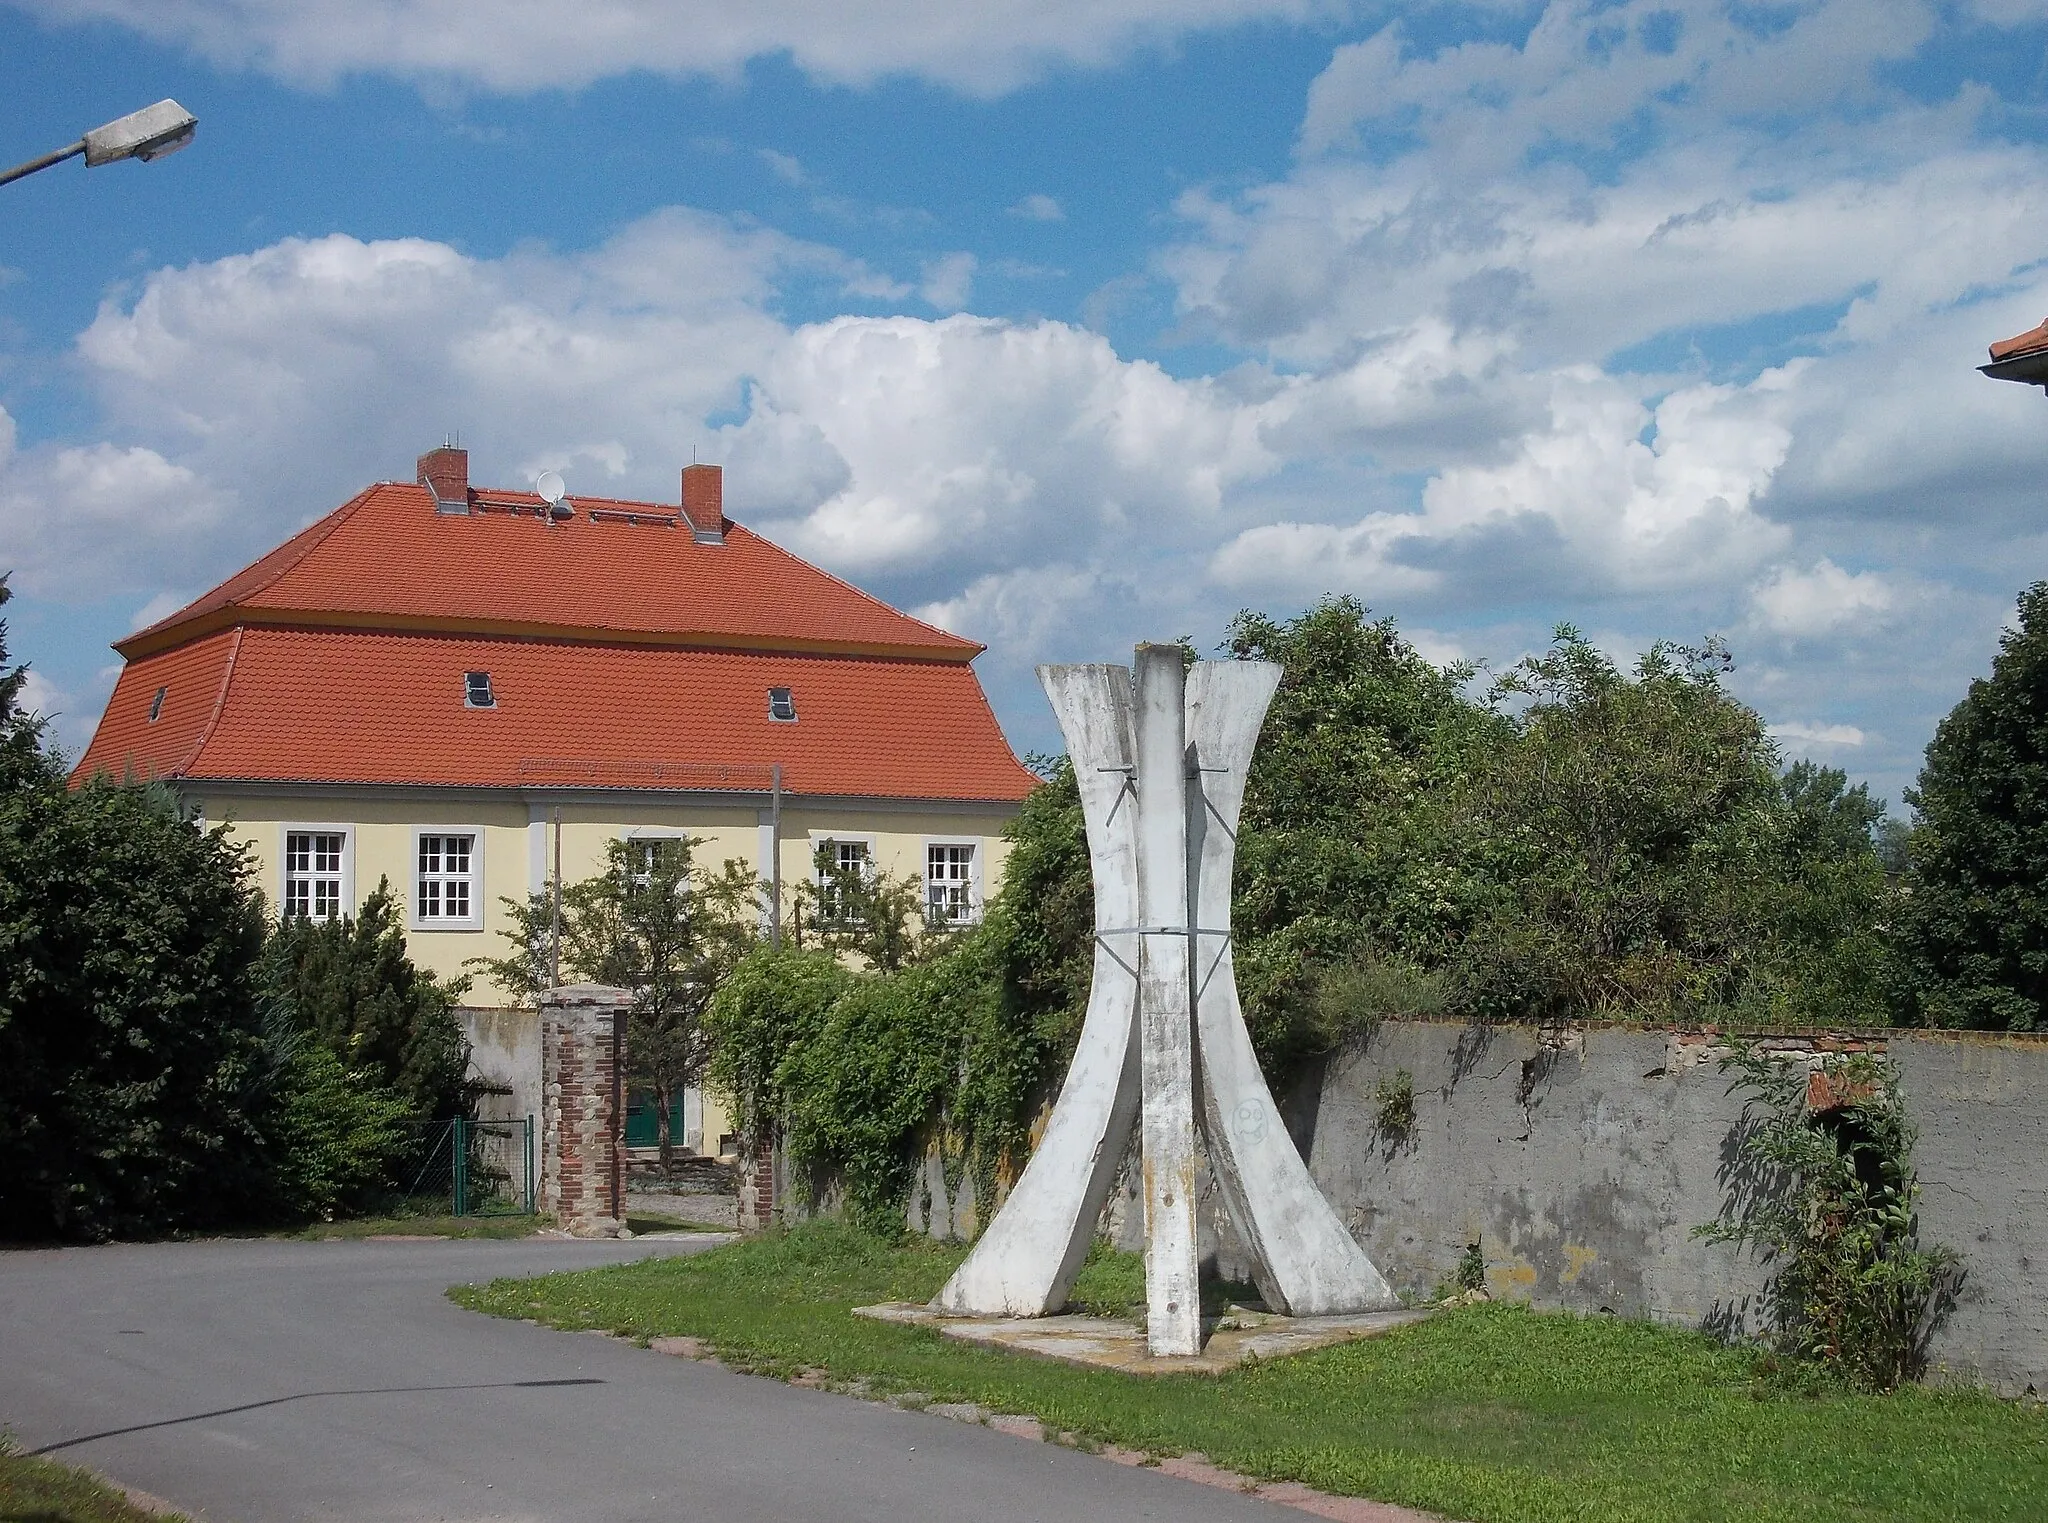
(1851, 1287)
(857, 1070)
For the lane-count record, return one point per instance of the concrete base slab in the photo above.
(1240, 1334)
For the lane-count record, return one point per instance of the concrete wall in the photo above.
(1581, 1163)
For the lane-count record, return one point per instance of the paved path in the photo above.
(257, 1381)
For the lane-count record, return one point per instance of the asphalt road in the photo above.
(256, 1381)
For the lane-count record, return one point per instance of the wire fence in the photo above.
(461, 1167)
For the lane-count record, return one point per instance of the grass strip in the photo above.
(1491, 1413)
(42, 1491)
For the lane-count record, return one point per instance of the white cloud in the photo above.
(1827, 736)
(947, 281)
(250, 394)
(785, 167)
(970, 445)
(162, 606)
(1039, 207)
(72, 716)
(39, 695)
(1608, 495)
(528, 45)
(1586, 71)
(75, 520)
(1822, 600)
(257, 391)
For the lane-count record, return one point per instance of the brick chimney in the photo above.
(445, 473)
(704, 503)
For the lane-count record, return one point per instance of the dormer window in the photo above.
(156, 704)
(476, 691)
(782, 704)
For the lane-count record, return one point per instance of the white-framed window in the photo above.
(842, 853)
(952, 882)
(448, 878)
(319, 876)
(646, 848)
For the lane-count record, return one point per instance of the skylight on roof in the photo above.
(782, 704)
(156, 704)
(476, 691)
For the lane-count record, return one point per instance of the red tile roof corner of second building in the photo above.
(2021, 343)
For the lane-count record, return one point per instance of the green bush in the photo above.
(130, 1041)
(858, 1070)
(154, 1077)
(349, 985)
(337, 1137)
(1829, 1197)
(1577, 842)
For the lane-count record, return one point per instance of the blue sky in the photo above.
(1072, 324)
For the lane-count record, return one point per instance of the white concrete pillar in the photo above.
(1025, 1263)
(1166, 1044)
(1161, 765)
(1305, 1262)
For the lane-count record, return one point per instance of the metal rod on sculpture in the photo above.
(1166, 1053)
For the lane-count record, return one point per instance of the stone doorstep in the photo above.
(1186, 1467)
(1239, 1335)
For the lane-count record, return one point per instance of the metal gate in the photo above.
(474, 1168)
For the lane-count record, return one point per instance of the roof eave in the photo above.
(162, 637)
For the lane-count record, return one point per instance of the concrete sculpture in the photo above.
(1161, 761)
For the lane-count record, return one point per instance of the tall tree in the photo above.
(1973, 927)
(855, 908)
(129, 1033)
(353, 986)
(23, 761)
(654, 923)
(1648, 858)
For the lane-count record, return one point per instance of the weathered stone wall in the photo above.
(582, 1174)
(1581, 1164)
(504, 1053)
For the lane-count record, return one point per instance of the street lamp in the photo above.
(147, 134)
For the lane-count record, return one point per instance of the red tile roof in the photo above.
(2021, 343)
(346, 706)
(387, 558)
(623, 654)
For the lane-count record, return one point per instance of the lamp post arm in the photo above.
(20, 170)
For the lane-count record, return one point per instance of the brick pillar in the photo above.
(759, 1197)
(582, 1055)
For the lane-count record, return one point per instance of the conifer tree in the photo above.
(1973, 930)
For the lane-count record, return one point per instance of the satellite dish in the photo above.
(550, 486)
